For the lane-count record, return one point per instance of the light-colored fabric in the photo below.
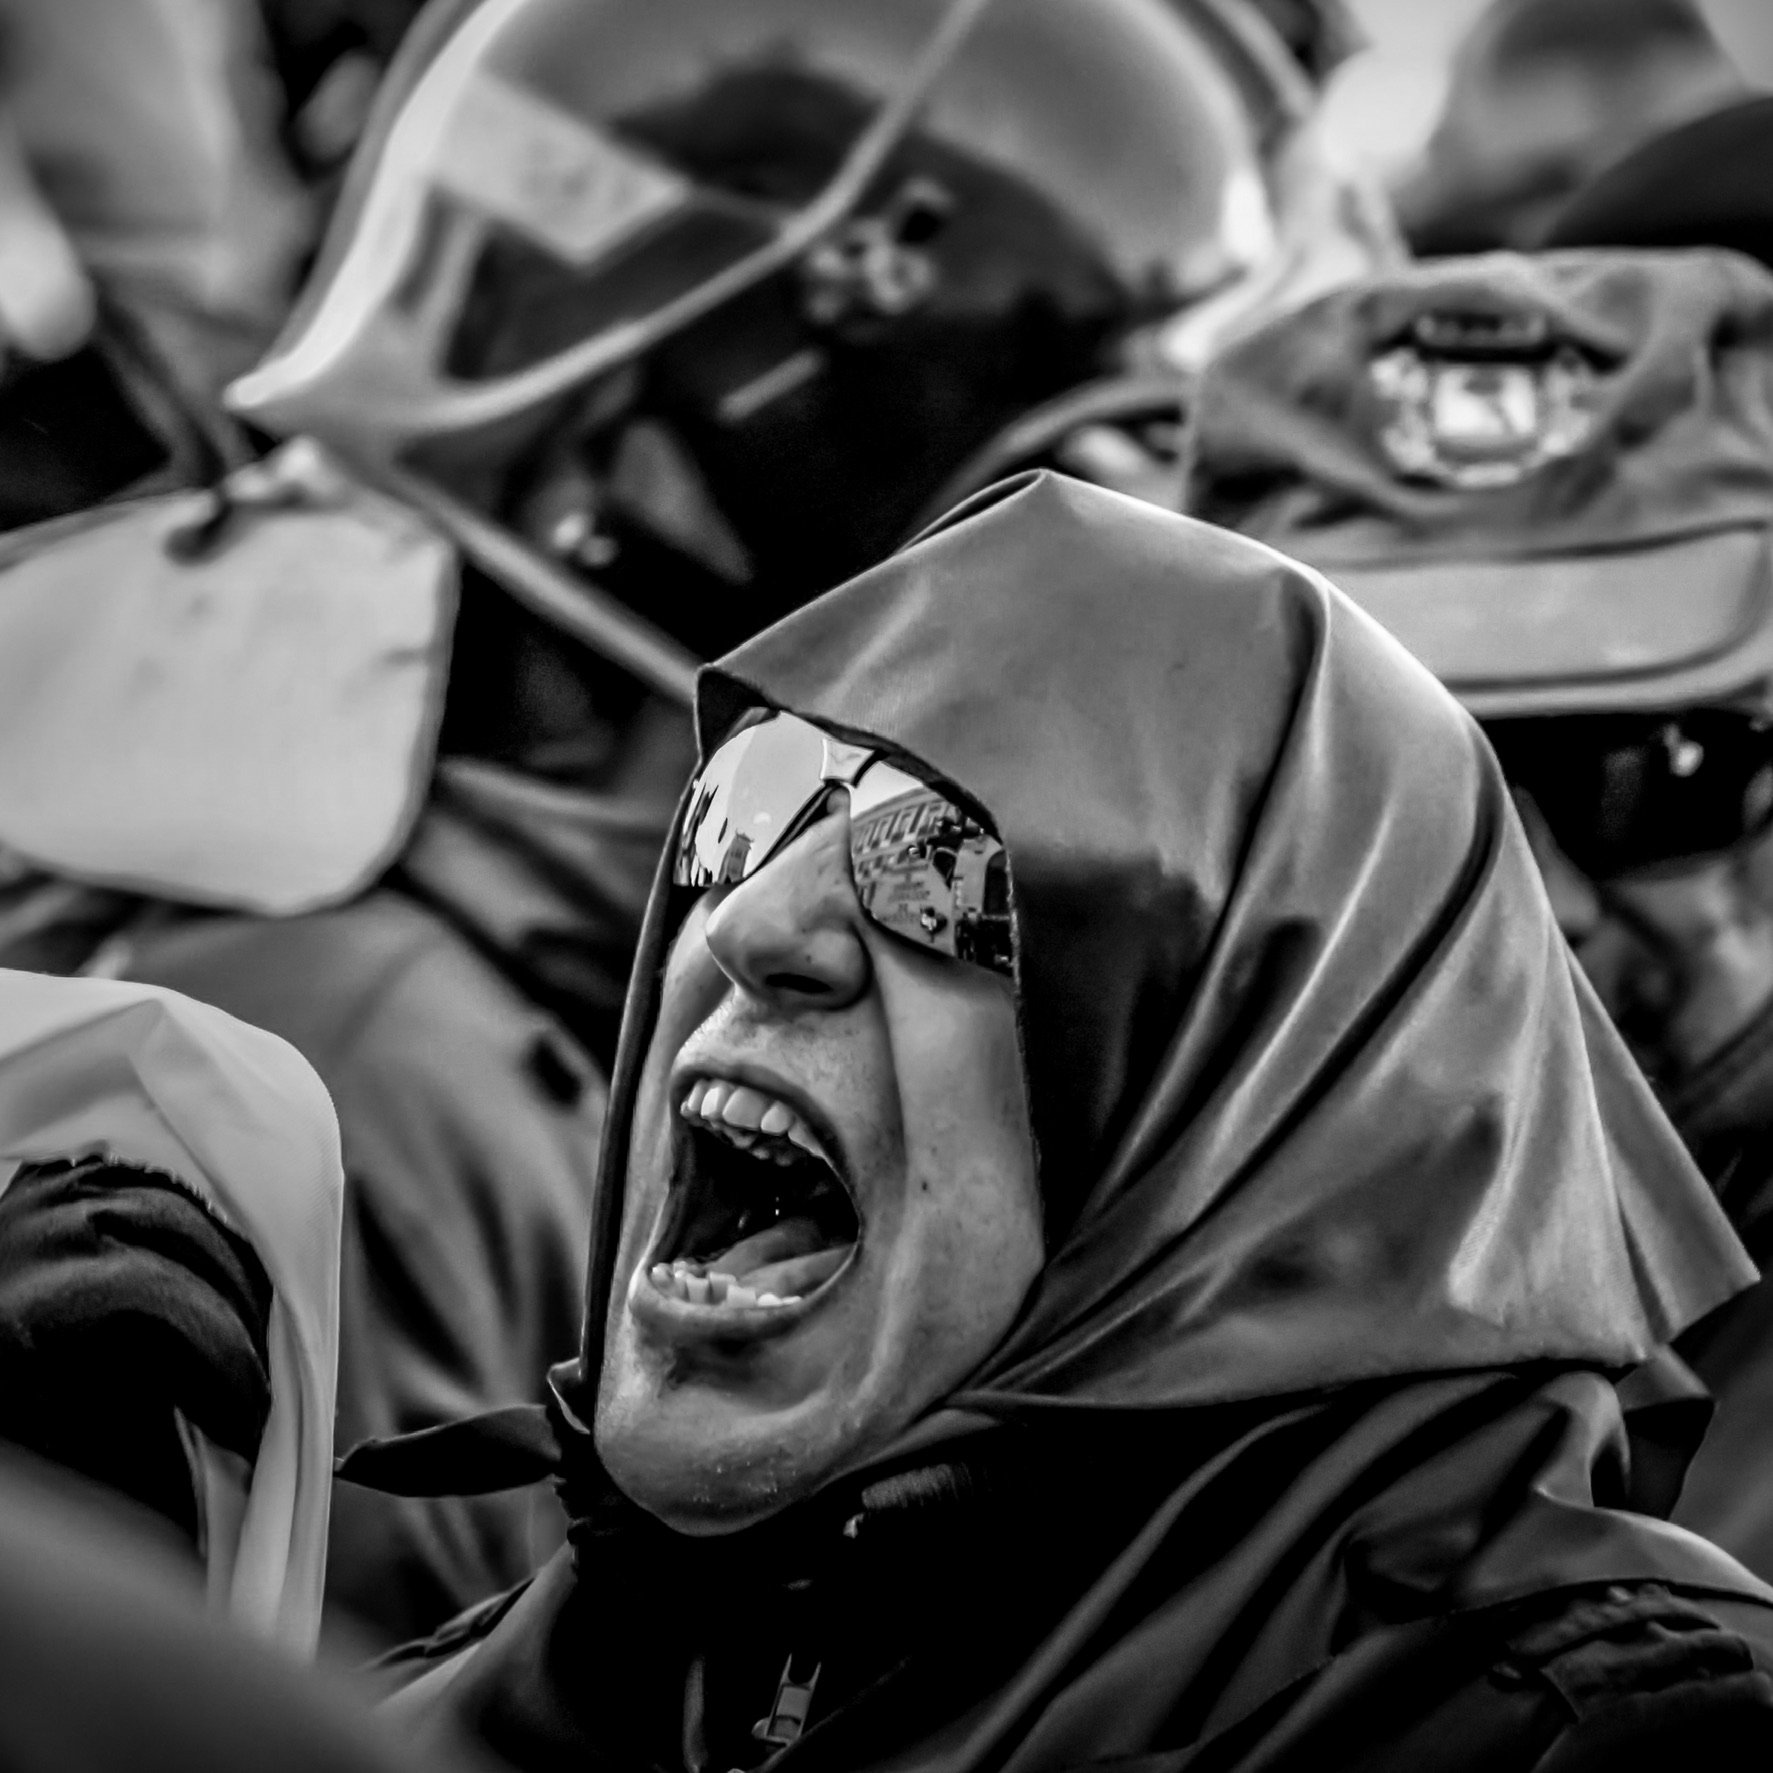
(152, 126)
(470, 1127)
(252, 728)
(146, 1076)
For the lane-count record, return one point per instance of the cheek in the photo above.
(962, 1095)
(972, 1205)
(971, 1250)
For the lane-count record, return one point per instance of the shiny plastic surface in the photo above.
(555, 186)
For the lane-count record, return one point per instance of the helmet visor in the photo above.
(554, 185)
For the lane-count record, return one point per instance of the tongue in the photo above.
(788, 1258)
(796, 1278)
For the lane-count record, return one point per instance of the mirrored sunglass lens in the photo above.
(926, 872)
(750, 795)
(923, 869)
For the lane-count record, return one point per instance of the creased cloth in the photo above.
(1355, 1208)
(1319, 1093)
(148, 1077)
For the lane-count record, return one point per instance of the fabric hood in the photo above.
(1319, 1093)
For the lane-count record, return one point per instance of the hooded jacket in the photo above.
(1303, 1450)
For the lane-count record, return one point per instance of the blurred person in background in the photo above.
(1542, 95)
(1553, 478)
(671, 314)
(1702, 183)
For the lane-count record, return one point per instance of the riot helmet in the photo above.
(819, 252)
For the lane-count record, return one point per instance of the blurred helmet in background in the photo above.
(1702, 183)
(1327, 223)
(1542, 94)
(824, 249)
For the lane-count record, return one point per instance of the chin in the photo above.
(703, 1464)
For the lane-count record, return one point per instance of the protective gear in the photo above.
(545, 169)
(829, 239)
(1509, 462)
(1699, 184)
(1580, 549)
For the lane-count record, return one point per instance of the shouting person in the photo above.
(699, 305)
(1119, 1221)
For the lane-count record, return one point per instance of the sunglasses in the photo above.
(924, 869)
(1626, 793)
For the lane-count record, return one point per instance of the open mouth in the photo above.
(761, 1218)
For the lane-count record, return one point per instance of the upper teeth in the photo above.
(745, 1115)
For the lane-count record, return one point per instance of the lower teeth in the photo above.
(678, 1280)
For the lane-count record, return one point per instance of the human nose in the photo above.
(790, 936)
(1575, 901)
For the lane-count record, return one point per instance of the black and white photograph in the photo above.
(886, 886)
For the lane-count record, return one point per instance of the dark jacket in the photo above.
(1323, 1590)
